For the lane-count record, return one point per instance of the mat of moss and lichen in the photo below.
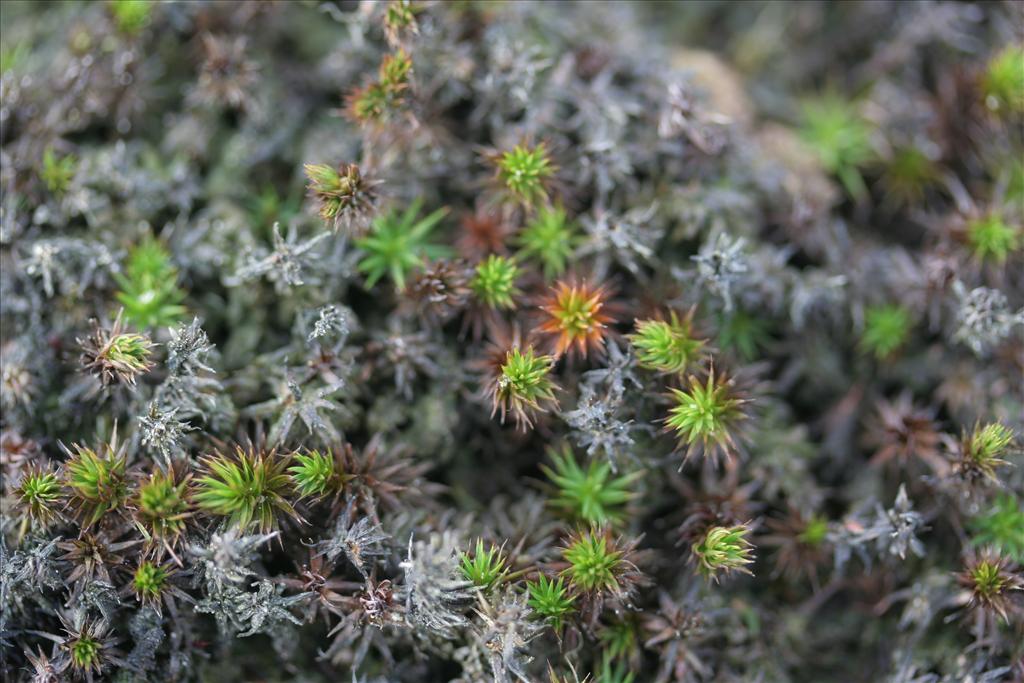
(548, 342)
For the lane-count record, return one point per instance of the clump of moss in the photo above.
(684, 314)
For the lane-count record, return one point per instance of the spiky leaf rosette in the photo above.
(116, 356)
(494, 282)
(149, 581)
(39, 498)
(991, 581)
(886, 330)
(723, 550)
(523, 386)
(249, 487)
(667, 346)
(979, 453)
(98, 479)
(347, 199)
(485, 567)
(525, 172)
(549, 238)
(377, 103)
(57, 172)
(398, 244)
(162, 508)
(87, 647)
(993, 238)
(600, 562)
(149, 287)
(840, 137)
(574, 320)
(593, 565)
(1001, 527)
(706, 415)
(591, 495)
(316, 475)
(551, 599)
